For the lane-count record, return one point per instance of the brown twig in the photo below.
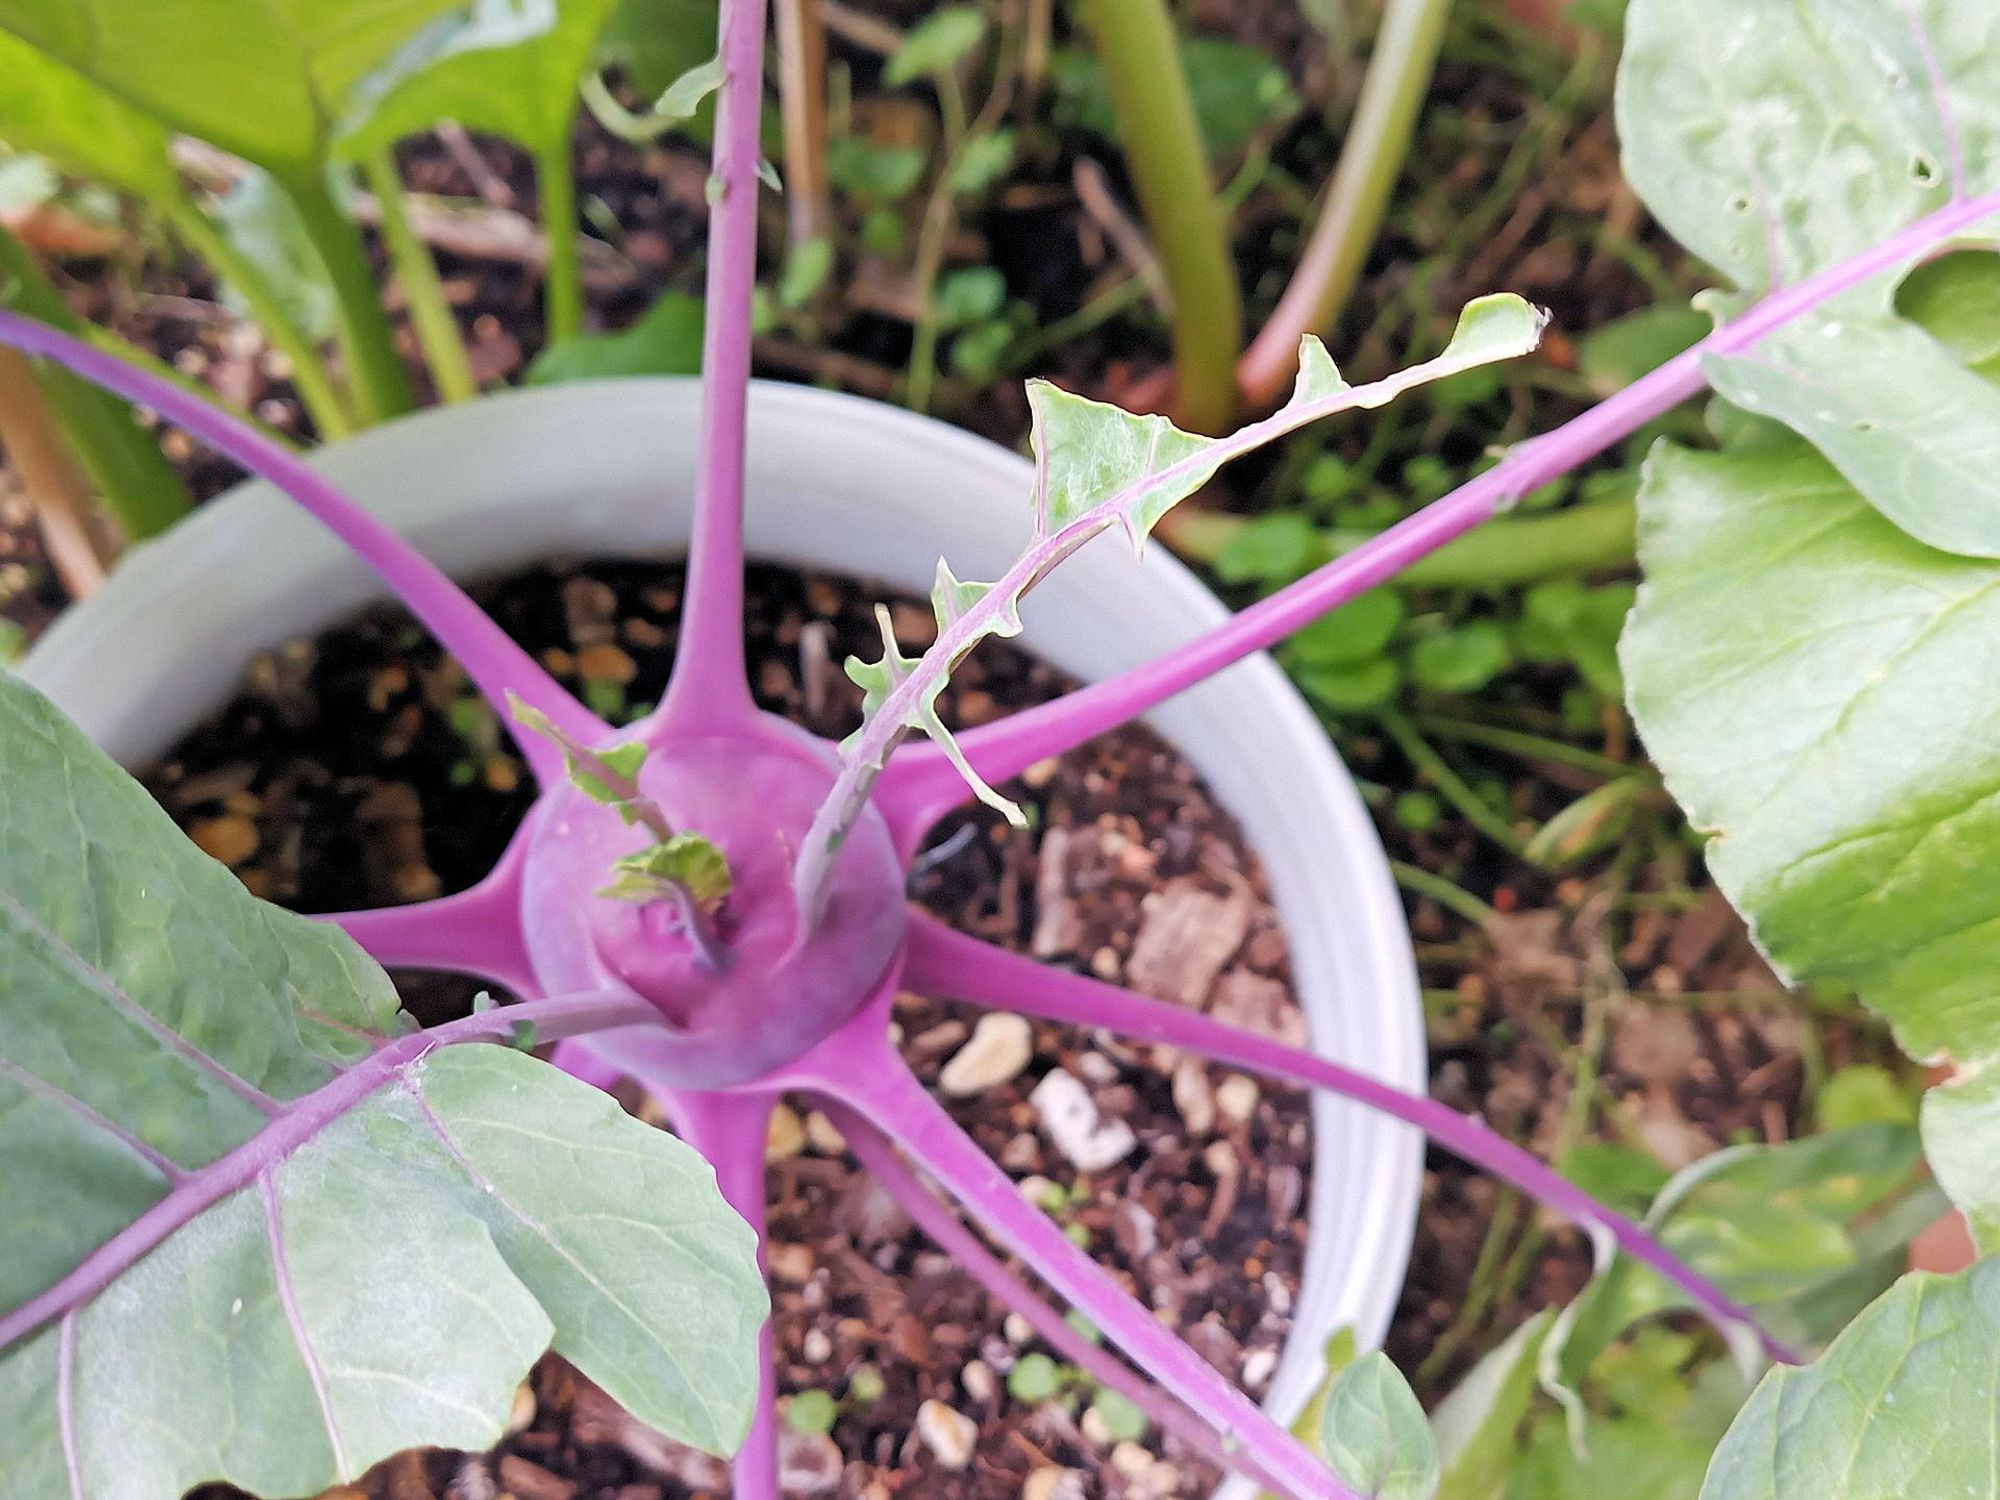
(51, 478)
(802, 99)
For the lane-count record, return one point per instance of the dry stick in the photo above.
(50, 477)
(801, 46)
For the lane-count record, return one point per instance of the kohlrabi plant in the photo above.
(257, 1228)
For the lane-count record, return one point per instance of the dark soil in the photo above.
(359, 770)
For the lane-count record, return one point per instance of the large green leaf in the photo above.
(1790, 138)
(510, 67)
(254, 1228)
(56, 112)
(267, 79)
(1819, 689)
(1905, 1403)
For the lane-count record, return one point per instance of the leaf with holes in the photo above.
(1792, 138)
(1097, 466)
(254, 1230)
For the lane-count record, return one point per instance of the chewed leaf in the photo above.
(254, 1228)
(1319, 377)
(1086, 451)
(879, 679)
(1097, 466)
(1727, 143)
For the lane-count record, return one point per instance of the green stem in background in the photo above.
(310, 375)
(375, 371)
(1520, 742)
(1598, 536)
(1163, 150)
(430, 315)
(1449, 894)
(562, 294)
(1450, 785)
(330, 408)
(122, 459)
(1371, 160)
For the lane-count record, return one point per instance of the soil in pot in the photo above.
(359, 769)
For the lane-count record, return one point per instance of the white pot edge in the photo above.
(606, 468)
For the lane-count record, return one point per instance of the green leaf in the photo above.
(1476, 1425)
(1271, 549)
(1356, 632)
(1124, 1421)
(687, 859)
(1236, 90)
(812, 1412)
(508, 67)
(968, 295)
(805, 271)
(1961, 1124)
(1813, 684)
(1863, 1094)
(258, 219)
(52, 110)
(666, 341)
(983, 161)
(380, 1275)
(269, 80)
(1462, 659)
(884, 174)
(656, 42)
(936, 45)
(1956, 300)
(1614, 355)
(1728, 145)
(1034, 1379)
(1904, 1403)
(1374, 1433)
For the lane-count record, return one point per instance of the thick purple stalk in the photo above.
(859, 1068)
(710, 687)
(476, 931)
(872, 1149)
(950, 965)
(921, 785)
(729, 1130)
(296, 1124)
(495, 664)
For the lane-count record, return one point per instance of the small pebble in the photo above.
(786, 1137)
(823, 1136)
(790, 1261)
(1258, 1367)
(1131, 1460)
(1236, 1098)
(999, 1047)
(1193, 1096)
(522, 1416)
(979, 1381)
(1048, 1482)
(948, 1433)
(816, 1346)
(1017, 1328)
(1072, 1121)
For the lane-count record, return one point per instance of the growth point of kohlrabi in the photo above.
(665, 868)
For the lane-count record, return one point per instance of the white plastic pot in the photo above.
(606, 469)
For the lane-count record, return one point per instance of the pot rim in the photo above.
(605, 468)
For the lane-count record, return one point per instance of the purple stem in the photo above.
(710, 685)
(490, 658)
(729, 1130)
(947, 964)
(476, 931)
(920, 784)
(296, 1124)
(859, 1068)
(872, 1149)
